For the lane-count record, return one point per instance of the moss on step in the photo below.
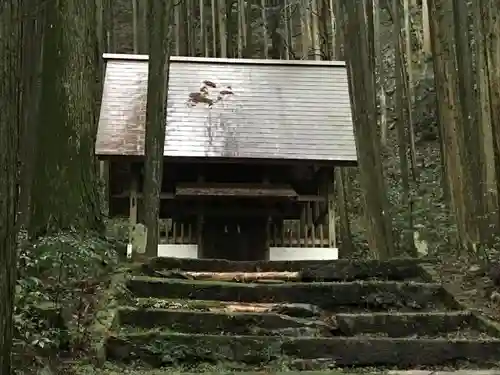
(324, 295)
(106, 319)
(297, 310)
(223, 323)
(414, 324)
(339, 270)
(159, 349)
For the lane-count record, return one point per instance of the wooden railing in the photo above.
(292, 233)
(171, 232)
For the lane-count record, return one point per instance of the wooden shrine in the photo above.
(250, 150)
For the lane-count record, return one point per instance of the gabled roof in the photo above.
(232, 108)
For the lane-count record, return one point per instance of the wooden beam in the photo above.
(170, 196)
(232, 211)
(310, 198)
(126, 194)
(236, 190)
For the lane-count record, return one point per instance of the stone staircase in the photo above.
(304, 315)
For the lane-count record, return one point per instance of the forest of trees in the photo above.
(425, 89)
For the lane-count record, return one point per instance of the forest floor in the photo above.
(471, 284)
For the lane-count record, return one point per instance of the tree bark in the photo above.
(66, 164)
(33, 34)
(10, 126)
(450, 119)
(488, 167)
(402, 119)
(159, 37)
(360, 64)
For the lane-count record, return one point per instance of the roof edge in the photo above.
(219, 60)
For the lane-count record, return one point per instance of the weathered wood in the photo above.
(378, 295)
(232, 276)
(328, 212)
(338, 270)
(297, 310)
(310, 198)
(235, 190)
(350, 351)
(132, 206)
(126, 194)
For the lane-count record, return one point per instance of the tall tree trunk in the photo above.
(135, 26)
(409, 87)
(66, 163)
(450, 121)
(241, 26)
(265, 34)
(33, 34)
(488, 167)
(380, 73)
(108, 19)
(222, 27)
(214, 27)
(189, 9)
(490, 15)
(426, 45)
(203, 30)
(341, 175)
(360, 64)
(472, 142)
(159, 15)
(10, 126)
(315, 29)
(305, 29)
(402, 119)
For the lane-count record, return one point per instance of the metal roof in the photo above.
(232, 108)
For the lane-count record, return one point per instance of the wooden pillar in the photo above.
(330, 201)
(200, 221)
(132, 205)
(327, 190)
(269, 222)
(132, 208)
(104, 166)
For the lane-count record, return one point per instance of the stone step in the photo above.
(324, 372)
(415, 324)
(223, 323)
(380, 295)
(318, 270)
(158, 349)
(297, 310)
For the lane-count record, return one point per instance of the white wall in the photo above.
(171, 250)
(303, 253)
(275, 253)
(178, 251)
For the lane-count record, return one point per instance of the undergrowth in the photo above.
(59, 283)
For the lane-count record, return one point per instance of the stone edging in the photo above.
(106, 320)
